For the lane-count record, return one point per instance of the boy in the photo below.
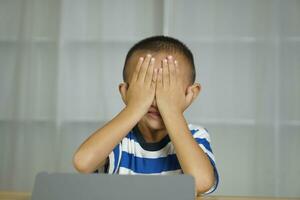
(150, 135)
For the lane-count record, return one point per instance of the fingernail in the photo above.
(165, 60)
(152, 59)
(148, 55)
(141, 58)
(175, 62)
(170, 57)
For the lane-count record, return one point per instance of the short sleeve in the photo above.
(114, 160)
(202, 137)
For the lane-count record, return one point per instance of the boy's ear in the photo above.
(123, 91)
(191, 93)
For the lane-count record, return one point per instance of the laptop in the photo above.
(73, 186)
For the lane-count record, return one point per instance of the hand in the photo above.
(170, 91)
(141, 91)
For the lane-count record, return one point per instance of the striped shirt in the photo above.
(133, 155)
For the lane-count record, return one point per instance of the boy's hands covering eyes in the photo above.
(141, 89)
(170, 91)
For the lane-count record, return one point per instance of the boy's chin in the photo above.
(155, 123)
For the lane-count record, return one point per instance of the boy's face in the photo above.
(152, 119)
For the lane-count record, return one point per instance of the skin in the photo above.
(152, 126)
(158, 83)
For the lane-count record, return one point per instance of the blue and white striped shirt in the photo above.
(133, 155)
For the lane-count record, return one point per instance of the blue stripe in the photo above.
(116, 154)
(205, 143)
(194, 131)
(149, 165)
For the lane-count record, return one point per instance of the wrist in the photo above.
(171, 118)
(169, 112)
(134, 111)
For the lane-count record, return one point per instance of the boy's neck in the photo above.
(151, 135)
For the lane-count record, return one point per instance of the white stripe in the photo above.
(192, 127)
(119, 159)
(111, 162)
(133, 147)
(203, 134)
(211, 189)
(125, 171)
(200, 133)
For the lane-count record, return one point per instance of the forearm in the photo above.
(101, 143)
(191, 157)
(139, 95)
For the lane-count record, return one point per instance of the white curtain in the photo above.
(61, 63)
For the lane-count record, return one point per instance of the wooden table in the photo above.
(27, 196)
(15, 196)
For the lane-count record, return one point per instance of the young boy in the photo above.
(150, 135)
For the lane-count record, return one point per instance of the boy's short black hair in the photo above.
(162, 43)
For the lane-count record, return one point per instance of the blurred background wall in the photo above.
(61, 63)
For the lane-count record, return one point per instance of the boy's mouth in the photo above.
(154, 113)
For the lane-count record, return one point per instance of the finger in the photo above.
(176, 66)
(150, 70)
(154, 78)
(144, 68)
(165, 73)
(176, 70)
(137, 69)
(159, 81)
(172, 71)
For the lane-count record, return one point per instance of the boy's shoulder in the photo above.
(198, 131)
(196, 127)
